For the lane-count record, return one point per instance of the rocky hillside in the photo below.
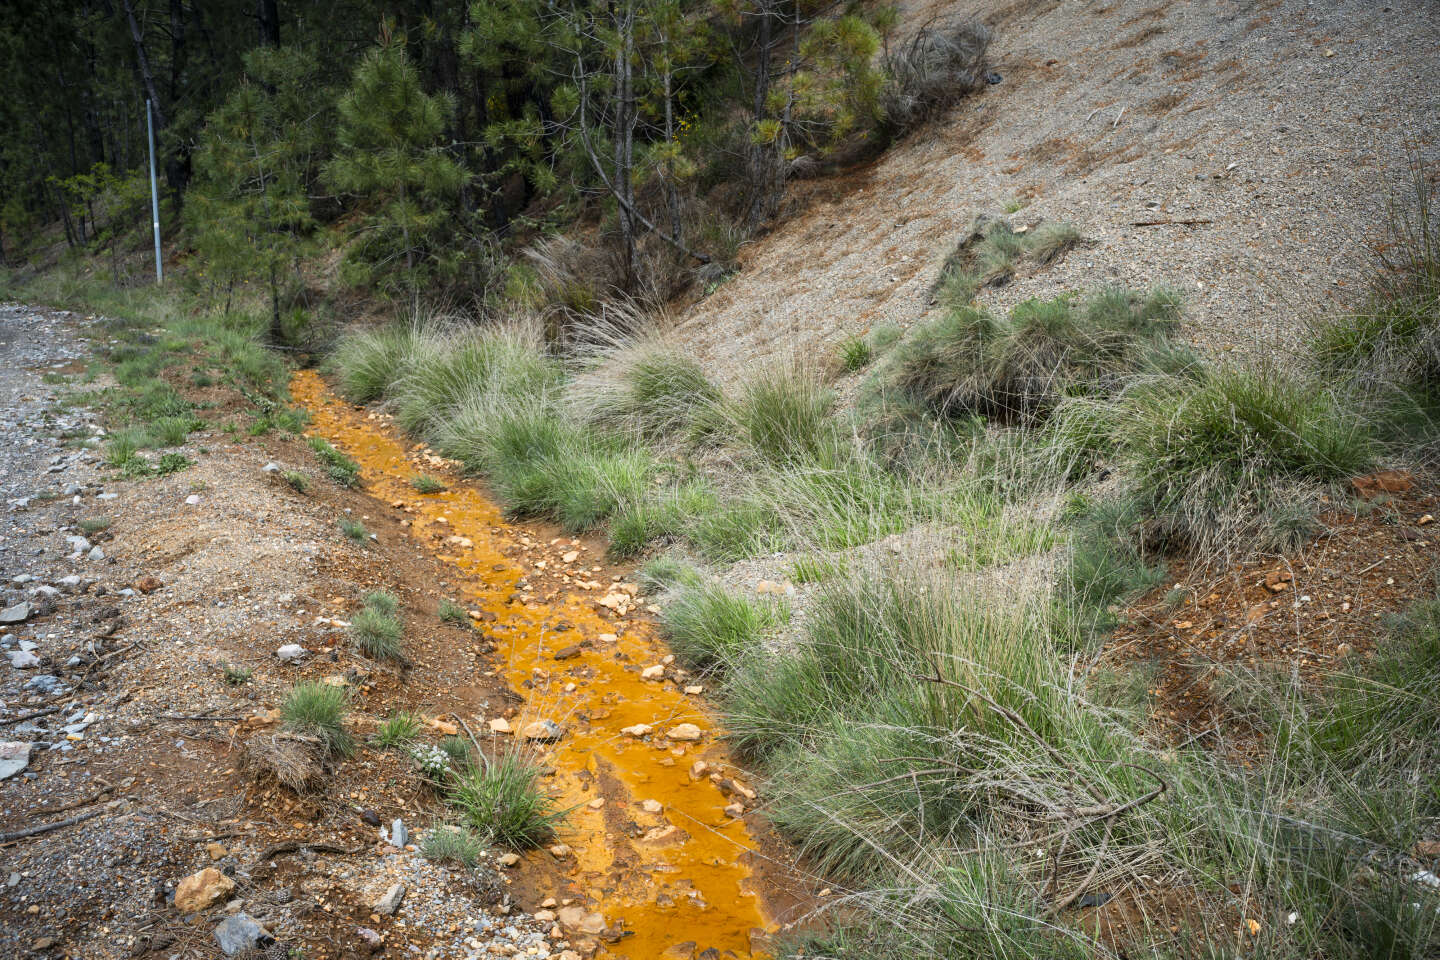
(1238, 151)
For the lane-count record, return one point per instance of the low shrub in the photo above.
(424, 483)
(941, 64)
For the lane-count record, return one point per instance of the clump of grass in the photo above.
(502, 800)
(649, 389)
(398, 729)
(452, 612)
(452, 844)
(367, 364)
(338, 466)
(235, 676)
(784, 415)
(354, 530)
(124, 447)
(89, 525)
(855, 354)
(709, 625)
(376, 627)
(316, 709)
(171, 431)
(1229, 457)
(425, 483)
(1017, 369)
(992, 251)
(813, 569)
(298, 481)
(666, 572)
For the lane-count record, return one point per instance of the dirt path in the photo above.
(657, 848)
(146, 664)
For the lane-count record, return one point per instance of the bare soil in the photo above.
(218, 566)
(1240, 151)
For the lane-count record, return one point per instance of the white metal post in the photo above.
(154, 196)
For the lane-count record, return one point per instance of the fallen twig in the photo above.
(198, 716)
(32, 715)
(1168, 222)
(35, 831)
(292, 846)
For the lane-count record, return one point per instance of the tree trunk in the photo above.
(267, 13)
(760, 153)
(625, 146)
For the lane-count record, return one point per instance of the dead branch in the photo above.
(293, 846)
(32, 715)
(35, 831)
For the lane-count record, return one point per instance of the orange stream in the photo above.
(690, 884)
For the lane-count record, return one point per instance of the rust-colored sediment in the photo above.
(675, 876)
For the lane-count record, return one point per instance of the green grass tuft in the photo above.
(708, 625)
(452, 612)
(398, 729)
(502, 800)
(298, 481)
(376, 627)
(424, 483)
(354, 529)
(452, 844)
(316, 709)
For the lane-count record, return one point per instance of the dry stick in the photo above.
(291, 846)
(1166, 223)
(1079, 888)
(47, 827)
(32, 715)
(107, 788)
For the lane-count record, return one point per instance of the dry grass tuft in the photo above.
(294, 759)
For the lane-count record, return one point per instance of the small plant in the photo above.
(434, 763)
(236, 676)
(338, 467)
(398, 729)
(171, 431)
(452, 612)
(425, 483)
(451, 844)
(298, 481)
(172, 463)
(317, 709)
(855, 353)
(90, 525)
(502, 801)
(377, 629)
(458, 752)
(354, 529)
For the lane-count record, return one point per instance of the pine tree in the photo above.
(389, 155)
(250, 207)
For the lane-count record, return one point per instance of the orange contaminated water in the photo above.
(674, 876)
